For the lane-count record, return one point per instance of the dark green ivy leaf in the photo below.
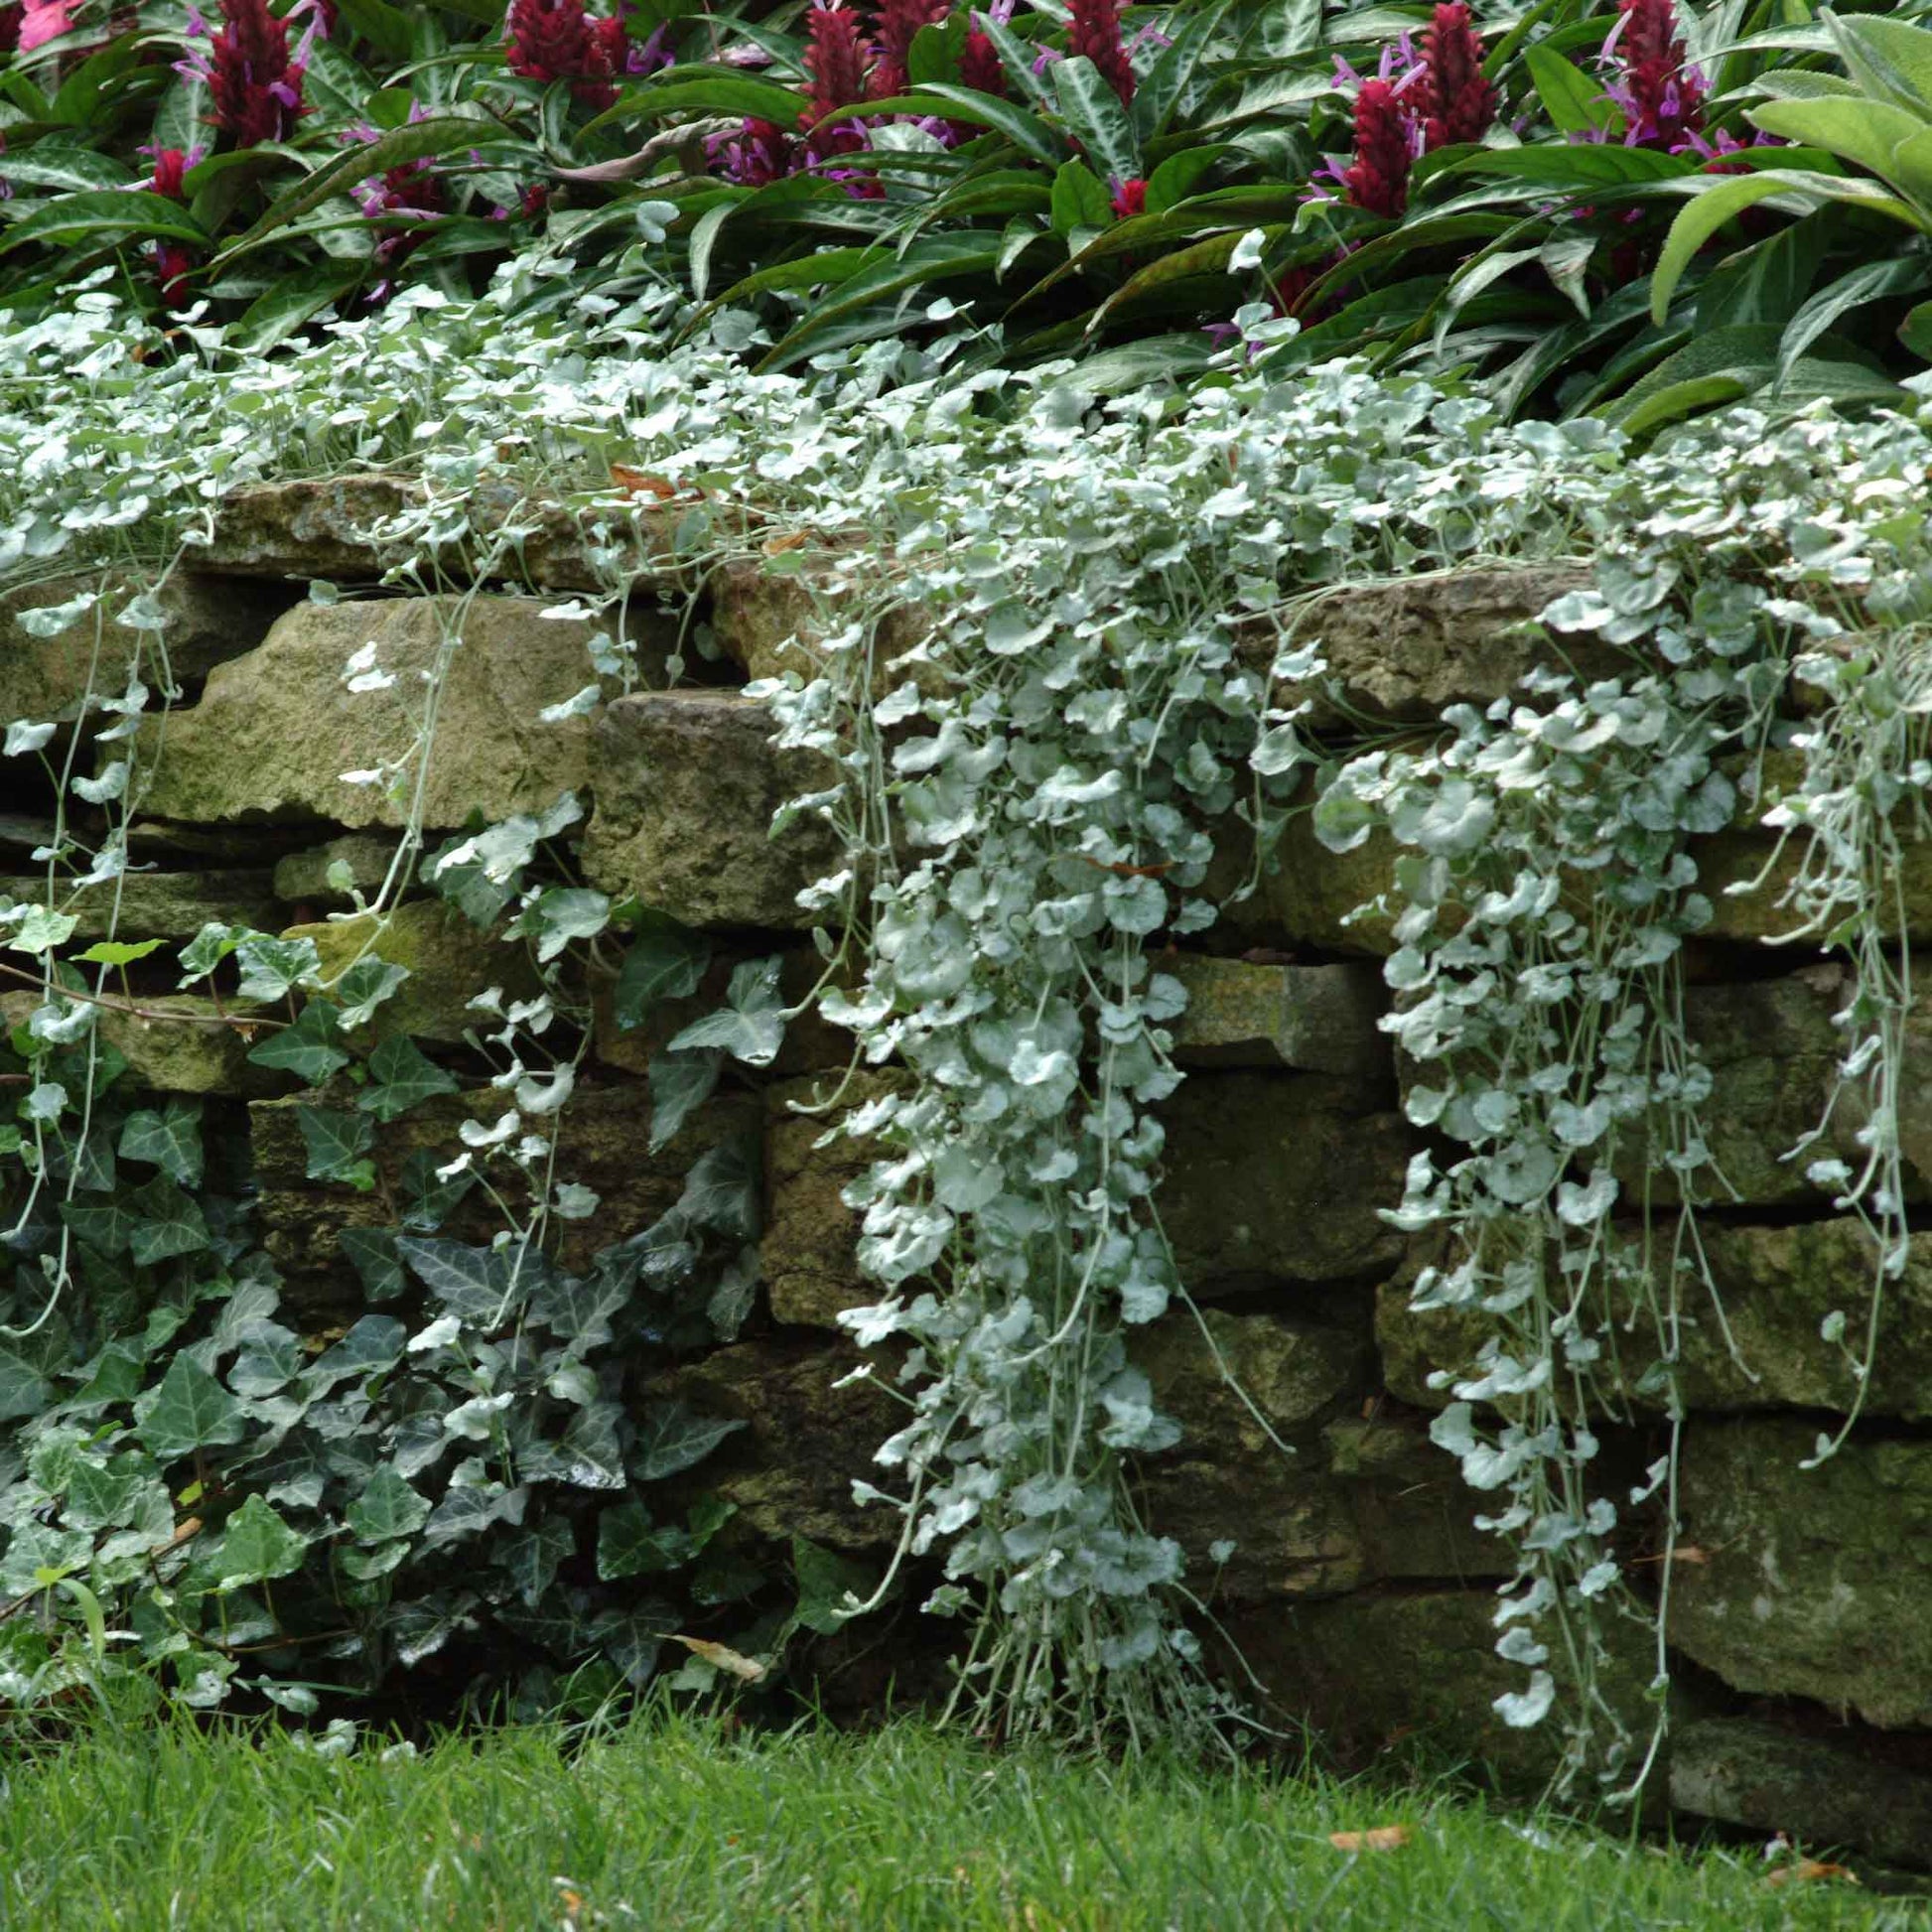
(373, 1250)
(170, 1138)
(271, 969)
(336, 1142)
(679, 1083)
(309, 1049)
(752, 1026)
(373, 1347)
(666, 961)
(386, 1509)
(167, 1222)
(365, 986)
(258, 1545)
(190, 1410)
(674, 1438)
(402, 1077)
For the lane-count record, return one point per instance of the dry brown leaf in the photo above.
(638, 483)
(1809, 1872)
(1381, 1838)
(791, 540)
(722, 1657)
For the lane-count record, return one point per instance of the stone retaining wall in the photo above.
(1358, 1590)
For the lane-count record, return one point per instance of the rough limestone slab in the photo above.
(1819, 1793)
(208, 622)
(789, 1471)
(1270, 1179)
(310, 527)
(769, 617)
(175, 1042)
(163, 904)
(1402, 652)
(686, 784)
(302, 878)
(1281, 1177)
(1773, 1052)
(1370, 1672)
(1348, 1502)
(1776, 1286)
(449, 961)
(1312, 1019)
(276, 729)
(1809, 1583)
(806, 1257)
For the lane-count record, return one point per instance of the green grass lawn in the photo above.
(683, 1825)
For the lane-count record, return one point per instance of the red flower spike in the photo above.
(979, 66)
(835, 61)
(1093, 28)
(254, 89)
(169, 166)
(1662, 99)
(173, 264)
(896, 25)
(1456, 103)
(1130, 198)
(1384, 149)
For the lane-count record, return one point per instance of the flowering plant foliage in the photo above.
(1477, 193)
(1029, 798)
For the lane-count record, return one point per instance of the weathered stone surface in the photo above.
(1268, 1180)
(1306, 895)
(1813, 1582)
(275, 730)
(1775, 1285)
(1369, 1670)
(174, 1044)
(1280, 1178)
(162, 905)
(1774, 1055)
(772, 620)
(1402, 652)
(686, 784)
(603, 1144)
(811, 1272)
(791, 1470)
(1314, 1018)
(207, 623)
(308, 528)
(326, 527)
(1346, 1502)
(450, 962)
(1817, 1792)
(302, 878)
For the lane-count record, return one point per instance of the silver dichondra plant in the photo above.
(1047, 676)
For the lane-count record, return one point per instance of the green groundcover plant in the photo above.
(1116, 602)
(1447, 188)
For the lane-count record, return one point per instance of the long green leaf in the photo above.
(416, 141)
(1092, 110)
(1167, 79)
(1885, 57)
(1731, 194)
(108, 212)
(713, 91)
(46, 165)
(1573, 100)
(1869, 282)
(1025, 131)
